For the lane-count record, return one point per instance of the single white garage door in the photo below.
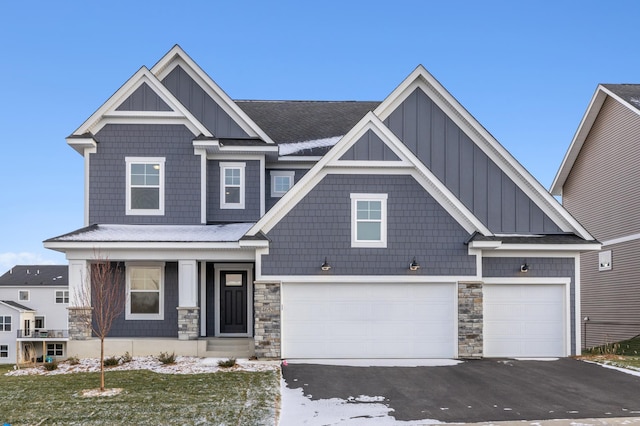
(391, 320)
(524, 320)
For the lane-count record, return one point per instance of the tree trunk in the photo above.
(102, 364)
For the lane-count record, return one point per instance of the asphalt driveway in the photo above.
(479, 391)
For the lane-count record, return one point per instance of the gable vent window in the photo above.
(369, 220)
(232, 185)
(145, 186)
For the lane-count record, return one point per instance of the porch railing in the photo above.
(43, 334)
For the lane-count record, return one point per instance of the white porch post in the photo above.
(188, 310)
(79, 315)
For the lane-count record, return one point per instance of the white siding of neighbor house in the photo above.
(9, 337)
(43, 301)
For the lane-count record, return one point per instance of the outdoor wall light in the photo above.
(524, 267)
(325, 266)
(414, 266)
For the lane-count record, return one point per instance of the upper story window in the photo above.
(62, 296)
(145, 185)
(145, 292)
(23, 295)
(232, 185)
(369, 220)
(281, 182)
(5, 323)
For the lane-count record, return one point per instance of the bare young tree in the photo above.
(104, 292)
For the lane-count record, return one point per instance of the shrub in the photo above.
(227, 363)
(111, 361)
(50, 366)
(73, 360)
(126, 358)
(167, 358)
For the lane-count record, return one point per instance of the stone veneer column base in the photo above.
(267, 322)
(79, 318)
(188, 323)
(470, 320)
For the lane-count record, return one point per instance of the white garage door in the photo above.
(391, 320)
(524, 320)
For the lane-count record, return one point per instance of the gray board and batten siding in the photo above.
(370, 148)
(144, 98)
(200, 104)
(108, 171)
(539, 267)
(319, 226)
(168, 327)
(465, 169)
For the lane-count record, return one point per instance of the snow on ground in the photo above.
(183, 365)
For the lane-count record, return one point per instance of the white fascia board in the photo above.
(552, 251)
(118, 245)
(254, 243)
(168, 254)
(213, 147)
(288, 166)
(527, 280)
(108, 110)
(485, 244)
(300, 158)
(421, 78)
(176, 56)
(81, 144)
(590, 115)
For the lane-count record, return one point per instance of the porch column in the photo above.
(188, 309)
(470, 320)
(79, 310)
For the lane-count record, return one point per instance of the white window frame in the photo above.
(134, 316)
(64, 297)
(355, 242)
(228, 166)
(3, 323)
(129, 161)
(281, 173)
(605, 260)
(55, 347)
(27, 292)
(4, 351)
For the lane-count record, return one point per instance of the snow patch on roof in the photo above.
(160, 233)
(635, 101)
(295, 147)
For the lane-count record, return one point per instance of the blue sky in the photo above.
(526, 70)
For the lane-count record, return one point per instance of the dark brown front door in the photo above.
(233, 302)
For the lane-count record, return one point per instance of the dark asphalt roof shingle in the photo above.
(36, 275)
(533, 239)
(16, 305)
(629, 92)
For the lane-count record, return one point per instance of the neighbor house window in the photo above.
(23, 295)
(145, 290)
(62, 296)
(232, 185)
(281, 182)
(5, 323)
(145, 186)
(39, 322)
(368, 220)
(4, 351)
(55, 349)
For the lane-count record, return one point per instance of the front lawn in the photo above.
(625, 354)
(148, 398)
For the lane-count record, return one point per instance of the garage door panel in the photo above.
(368, 320)
(524, 320)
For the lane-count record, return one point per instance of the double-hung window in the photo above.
(55, 349)
(281, 182)
(232, 185)
(145, 291)
(5, 323)
(369, 220)
(62, 296)
(145, 185)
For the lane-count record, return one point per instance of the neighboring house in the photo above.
(33, 313)
(393, 229)
(600, 185)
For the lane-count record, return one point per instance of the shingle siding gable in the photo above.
(465, 169)
(319, 226)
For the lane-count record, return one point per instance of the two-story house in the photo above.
(393, 229)
(33, 313)
(598, 180)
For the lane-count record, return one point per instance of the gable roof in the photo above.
(36, 275)
(626, 94)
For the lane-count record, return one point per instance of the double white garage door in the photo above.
(417, 320)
